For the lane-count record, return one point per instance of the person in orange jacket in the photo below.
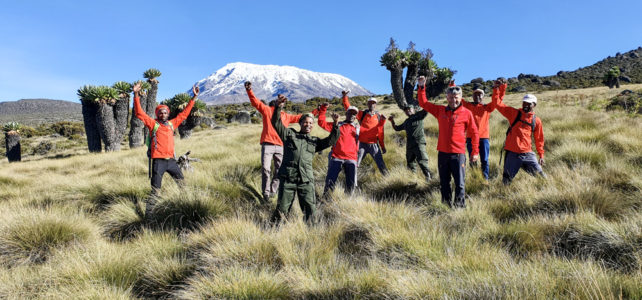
(162, 142)
(481, 114)
(371, 133)
(455, 122)
(271, 144)
(519, 152)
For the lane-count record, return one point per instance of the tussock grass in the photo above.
(30, 236)
(574, 234)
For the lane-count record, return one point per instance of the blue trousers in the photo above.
(452, 164)
(484, 150)
(515, 161)
(375, 151)
(334, 168)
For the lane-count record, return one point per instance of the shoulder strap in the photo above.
(519, 116)
(367, 111)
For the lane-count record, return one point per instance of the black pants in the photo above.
(452, 164)
(159, 167)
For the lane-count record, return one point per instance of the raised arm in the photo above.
(260, 106)
(380, 133)
(138, 110)
(276, 119)
(499, 91)
(185, 113)
(331, 139)
(327, 126)
(423, 100)
(346, 102)
(396, 127)
(508, 112)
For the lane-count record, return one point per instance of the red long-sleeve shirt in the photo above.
(347, 146)
(268, 134)
(453, 125)
(481, 112)
(164, 146)
(371, 126)
(519, 137)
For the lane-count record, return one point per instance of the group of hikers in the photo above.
(463, 126)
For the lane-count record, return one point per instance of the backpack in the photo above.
(151, 138)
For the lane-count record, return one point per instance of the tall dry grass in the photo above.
(74, 227)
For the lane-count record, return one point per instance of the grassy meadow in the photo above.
(73, 228)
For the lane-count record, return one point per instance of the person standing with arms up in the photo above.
(271, 144)
(455, 122)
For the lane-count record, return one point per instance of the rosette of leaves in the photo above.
(177, 104)
(12, 141)
(152, 74)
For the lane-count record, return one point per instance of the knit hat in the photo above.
(161, 106)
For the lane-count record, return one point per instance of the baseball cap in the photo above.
(372, 99)
(530, 98)
(479, 91)
(353, 108)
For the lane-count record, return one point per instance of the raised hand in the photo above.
(344, 93)
(421, 81)
(248, 85)
(195, 90)
(137, 87)
(325, 104)
(335, 118)
(281, 99)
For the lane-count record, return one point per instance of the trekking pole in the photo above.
(149, 167)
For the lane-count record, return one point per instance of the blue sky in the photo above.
(48, 49)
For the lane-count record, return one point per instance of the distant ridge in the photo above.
(36, 111)
(226, 85)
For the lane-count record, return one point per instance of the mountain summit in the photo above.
(226, 84)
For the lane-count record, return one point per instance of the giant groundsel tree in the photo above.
(105, 112)
(176, 104)
(12, 141)
(416, 63)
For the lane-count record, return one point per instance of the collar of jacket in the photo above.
(453, 109)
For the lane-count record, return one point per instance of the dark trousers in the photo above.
(287, 191)
(417, 154)
(334, 168)
(375, 151)
(159, 167)
(484, 150)
(452, 164)
(515, 161)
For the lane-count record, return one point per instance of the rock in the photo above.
(513, 80)
(561, 73)
(625, 78)
(208, 121)
(574, 87)
(536, 80)
(478, 80)
(219, 127)
(520, 88)
(44, 148)
(242, 117)
(478, 86)
(553, 83)
(526, 76)
(634, 55)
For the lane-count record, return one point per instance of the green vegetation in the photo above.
(11, 126)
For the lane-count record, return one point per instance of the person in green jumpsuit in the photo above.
(296, 176)
(416, 143)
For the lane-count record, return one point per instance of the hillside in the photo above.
(630, 64)
(37, 111)
(72, 228)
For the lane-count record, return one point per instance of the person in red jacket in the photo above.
(344, 153)
(455, 122)
(162, 141)
(371, 132)
(524, 126)
(481, 114)
(271, 144)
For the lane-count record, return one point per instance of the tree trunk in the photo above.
(12, 144)
(89, 111)
(409, 84)
(185, 129)
(121, 115)
(107, 126)
(137, 130)
(396, 81)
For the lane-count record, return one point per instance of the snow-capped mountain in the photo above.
(226, 84)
